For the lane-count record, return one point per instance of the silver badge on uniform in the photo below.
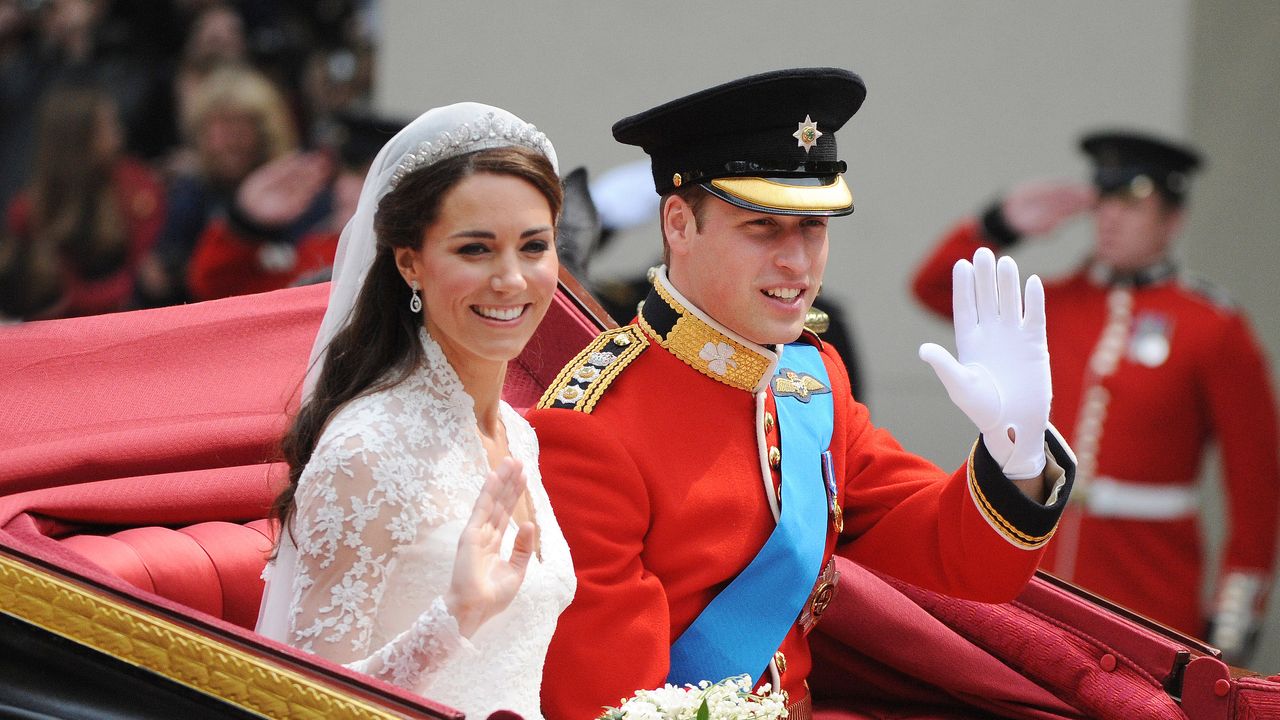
(1149, 344)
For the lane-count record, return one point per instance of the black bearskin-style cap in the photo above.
(765, 143)
(1134, 164)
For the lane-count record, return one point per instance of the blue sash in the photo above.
(738, 633)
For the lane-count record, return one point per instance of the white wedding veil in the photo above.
(437, 134)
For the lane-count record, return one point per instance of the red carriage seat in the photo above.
(145, 443)
(214, 567)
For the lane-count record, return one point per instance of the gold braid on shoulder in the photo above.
(583, 381)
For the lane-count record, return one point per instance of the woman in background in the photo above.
(88, 217)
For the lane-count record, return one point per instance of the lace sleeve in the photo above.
(359, 498)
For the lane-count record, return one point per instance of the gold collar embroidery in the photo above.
(702, 343)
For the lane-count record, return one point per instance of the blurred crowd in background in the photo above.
(158, 153)
(154, 153)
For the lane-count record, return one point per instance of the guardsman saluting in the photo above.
(1149, 367)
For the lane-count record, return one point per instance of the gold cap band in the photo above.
(771, 194)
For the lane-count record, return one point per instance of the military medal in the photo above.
(823, 591)
(833, 503)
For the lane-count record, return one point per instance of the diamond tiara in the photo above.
(489, 131)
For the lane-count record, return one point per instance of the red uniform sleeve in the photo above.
(931, 283)
(1243, 410)
(614, 637)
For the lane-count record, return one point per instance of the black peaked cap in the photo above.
(747, 128)
(1121, 157)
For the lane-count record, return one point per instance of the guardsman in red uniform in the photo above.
(706, 461)
(1148, 368)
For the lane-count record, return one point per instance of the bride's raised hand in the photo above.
(484, 582)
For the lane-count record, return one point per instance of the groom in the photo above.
(706, 461)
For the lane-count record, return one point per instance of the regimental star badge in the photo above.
(807, 135)
(801, 386)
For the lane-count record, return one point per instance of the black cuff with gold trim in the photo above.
(1019, 517)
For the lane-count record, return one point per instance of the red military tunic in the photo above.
(1180, 368)
(656, 453)
(225, 263)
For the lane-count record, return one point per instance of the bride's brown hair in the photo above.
(379, 347)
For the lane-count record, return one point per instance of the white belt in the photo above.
(1109, 497)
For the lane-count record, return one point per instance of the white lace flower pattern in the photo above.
(719, 357)
(380, 507)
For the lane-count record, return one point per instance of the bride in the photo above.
(417, 543)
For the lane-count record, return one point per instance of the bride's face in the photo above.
(488, 268)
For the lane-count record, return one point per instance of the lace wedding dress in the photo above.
(380, 507)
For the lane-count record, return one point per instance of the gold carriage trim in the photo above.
(167, 649)
(707, 350)
(994, 518)
(584, 379)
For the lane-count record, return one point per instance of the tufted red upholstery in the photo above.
(214, 567)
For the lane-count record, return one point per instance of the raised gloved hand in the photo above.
(1000, 375)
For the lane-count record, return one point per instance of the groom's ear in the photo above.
(678, 224)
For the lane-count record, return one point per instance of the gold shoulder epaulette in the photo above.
(817, 320)
(581, 383)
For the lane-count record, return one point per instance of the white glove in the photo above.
(1001, 380)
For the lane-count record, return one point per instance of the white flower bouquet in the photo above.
(729, 699)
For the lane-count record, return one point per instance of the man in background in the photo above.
(1149, 367)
